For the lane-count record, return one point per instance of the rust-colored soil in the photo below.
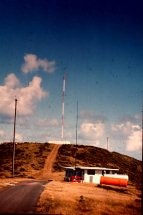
(47, 172)
(48, 167)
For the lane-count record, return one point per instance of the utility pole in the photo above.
(76, 122)
(63, 107)
(13, 158)
(107, 142)
(142, 128)
(76, 133)
(142, 140)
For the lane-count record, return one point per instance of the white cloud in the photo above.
(130, 132)
(27, 96)
(134, 142)
(18, 137)
(92, 131)
(33, 63)
(122, 128)
(11, 81)
(2, 133)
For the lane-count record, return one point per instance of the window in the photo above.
(91, 171)
(114, 172)
(99, 172)
(107, 171)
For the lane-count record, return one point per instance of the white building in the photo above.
(59, 142)
(97, 175)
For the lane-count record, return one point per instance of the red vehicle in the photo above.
(76, 178)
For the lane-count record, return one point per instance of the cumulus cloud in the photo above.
(92, 131)
(33, 63)
(11, 81)
(130, 132)
(122, 129)
(2, 133)
(134, 141)
(27, 96)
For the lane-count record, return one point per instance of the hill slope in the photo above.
(70, 155)
(30, 159)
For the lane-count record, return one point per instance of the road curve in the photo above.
(21, 198)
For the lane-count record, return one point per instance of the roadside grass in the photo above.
(81, 198)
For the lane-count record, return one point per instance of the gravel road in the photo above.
(21, 198)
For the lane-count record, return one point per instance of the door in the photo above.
(90, 179)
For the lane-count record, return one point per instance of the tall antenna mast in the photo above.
(63, 107)
(14, 127)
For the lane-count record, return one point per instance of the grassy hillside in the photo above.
(70, 155)
(30, 158)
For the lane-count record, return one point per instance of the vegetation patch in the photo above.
(29, 158)
(86, 198)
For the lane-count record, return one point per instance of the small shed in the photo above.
(97, 175)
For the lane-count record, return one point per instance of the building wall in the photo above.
(96, 178)
(58, 142)
(91, 178)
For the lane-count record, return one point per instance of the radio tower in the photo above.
(63, 107)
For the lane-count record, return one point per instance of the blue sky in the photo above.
(99, 45)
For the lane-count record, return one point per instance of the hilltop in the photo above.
(30, 159)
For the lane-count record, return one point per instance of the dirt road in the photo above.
(21, 198)
(47, 171)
